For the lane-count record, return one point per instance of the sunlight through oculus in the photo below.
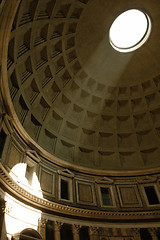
(130, 30)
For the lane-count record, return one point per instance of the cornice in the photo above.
(18, 192)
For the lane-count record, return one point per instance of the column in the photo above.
(42, 227)
(2, 210)
(153, 231)
(93, 233)
(57, 228)
(136, 233)
(75, 230)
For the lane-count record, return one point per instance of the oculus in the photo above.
(130, 30)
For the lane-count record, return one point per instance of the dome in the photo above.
(79, 122)
(80, 101)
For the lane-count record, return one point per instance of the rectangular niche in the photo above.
(65, 189)
(129, 196)
(14, 155)
(85, 193)
(47, 181)
(106, 196)
(151, 194)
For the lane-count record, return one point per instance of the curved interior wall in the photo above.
(80, 102)
(116, 199)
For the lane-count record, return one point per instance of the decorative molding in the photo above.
(7, 20)
(91, 193)
(6, 122)
(153, 230)
(57, 225)
(33, 154)
(147, 179)
(13, 188)
(104, 180)
(93, 230)
(112, 195)
(129, 196)
(76, 228)
(42, 222)
(66, 173)
(136, 231)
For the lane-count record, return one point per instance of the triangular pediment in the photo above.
(147, 179)
(104, 180)
(66, 172)
(33, 154)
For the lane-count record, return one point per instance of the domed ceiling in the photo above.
(77, 97)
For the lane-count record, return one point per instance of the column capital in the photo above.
(57, 225)
(76, 228)
(93, 230)
(42, 227)
(136, 230)
(8, 207)
(153, 230)
(42, 222)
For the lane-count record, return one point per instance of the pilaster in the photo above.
(136, 233)
(42, 227)
(57, 228)
(75, 230)
(153, 232)
(93, 233)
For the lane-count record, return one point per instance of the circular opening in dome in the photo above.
(130, 30)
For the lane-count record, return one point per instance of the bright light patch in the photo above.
(130, 30)
(19, 216)
(18, 173)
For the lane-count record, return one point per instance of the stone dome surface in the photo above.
(78, 98)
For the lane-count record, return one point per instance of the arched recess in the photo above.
(27, 234)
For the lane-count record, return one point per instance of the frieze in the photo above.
(18, 191)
